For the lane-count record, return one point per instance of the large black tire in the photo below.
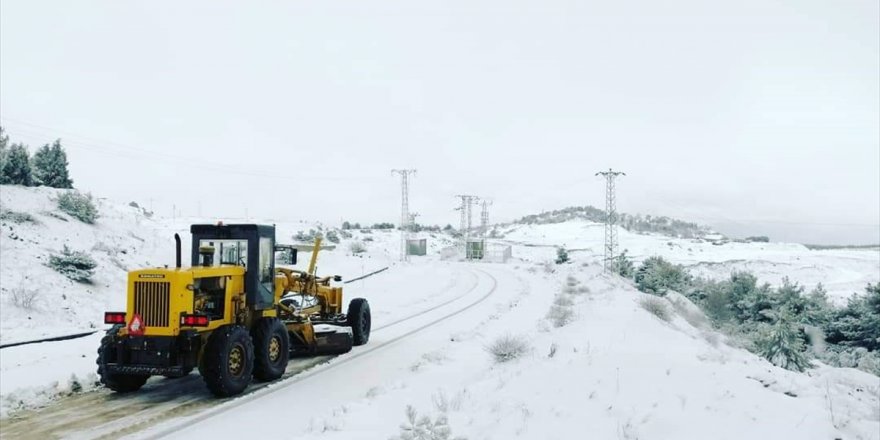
(359, 320)
(271, 349)
(121, 383)
(227, 364)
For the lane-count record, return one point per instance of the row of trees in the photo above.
(787, 325)
(635, 223)
(47, 167)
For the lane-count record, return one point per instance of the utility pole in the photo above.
(484, 217)
(405, 218)
(610, 217)
(466, 208)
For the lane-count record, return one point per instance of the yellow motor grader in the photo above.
(232, 314)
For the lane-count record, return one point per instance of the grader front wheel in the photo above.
(271, 348)
(228, 362)
(359, 320)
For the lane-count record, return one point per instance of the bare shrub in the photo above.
(24, 297)
(17, 217)
(424, 428)
(357, 247)
(657, 307)
(508, 347)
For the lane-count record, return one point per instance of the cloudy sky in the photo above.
(755, 116)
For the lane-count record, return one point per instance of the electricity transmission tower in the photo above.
(484, 217)
(466, 209)
(610, 217)
(405, 218)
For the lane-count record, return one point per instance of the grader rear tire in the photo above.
(121, 383)
(271, 349)
(228, 362)
(359, 320)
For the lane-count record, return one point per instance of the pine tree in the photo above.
(561, 255)
(781, 344)
(50, 166)
(17, 167)
(4, 150)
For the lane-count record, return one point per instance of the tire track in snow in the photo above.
(98, 415)
(174, 427)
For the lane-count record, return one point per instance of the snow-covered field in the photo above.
(615, 371)
(841, 271)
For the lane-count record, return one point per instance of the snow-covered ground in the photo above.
(841, 271)
(616, 371)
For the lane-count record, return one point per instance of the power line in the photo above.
(484, 216)
(466, 208)
(116, 150)
(610, 217)
(405, 219)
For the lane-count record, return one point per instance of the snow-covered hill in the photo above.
(122, 238)
(841, 271)
(603, 367)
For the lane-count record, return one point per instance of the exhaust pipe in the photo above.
(177, 248)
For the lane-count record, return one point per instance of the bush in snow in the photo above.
(78, 266)
(332, 237)
(857, 324)
(561, 255)
(560, 315)
(507, 348)
(79, 206)
(17, 217)
(781, 344)
(657, 307)
(624, 265)
(423, 428)
(357, 247)
(852, 357)
(657, 275)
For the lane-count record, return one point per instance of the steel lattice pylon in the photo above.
(484, 217)
(467, 202)
(405, 218)
(610, 218)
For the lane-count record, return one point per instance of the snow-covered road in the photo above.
(172, 402)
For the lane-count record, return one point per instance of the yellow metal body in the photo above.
(147, 296)
(161, 296)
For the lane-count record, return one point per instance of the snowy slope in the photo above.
(121, 239)
(616, 371)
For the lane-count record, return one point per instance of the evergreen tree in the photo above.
(50, 166)
(657, 275)
(4, 150)
(17, 167)
(781, 344)
(858, 324)
(561, 255)
(624, 265)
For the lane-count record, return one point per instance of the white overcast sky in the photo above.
(757, 116)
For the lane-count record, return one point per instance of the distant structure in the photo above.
(484, 217)
(610, 217)
(405, 218)
(466, 208)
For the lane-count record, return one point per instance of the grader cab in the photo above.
(232, 314)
